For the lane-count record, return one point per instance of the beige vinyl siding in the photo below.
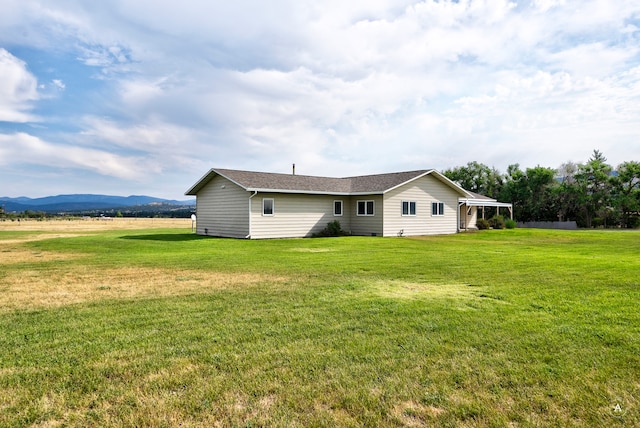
(366, 225)
(468, 221)
(295, 215)
(423, 191)
(222, 209)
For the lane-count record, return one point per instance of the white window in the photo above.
(408, 208)
(267, 206)
(365, 208)
(437, 208)
(337, 208)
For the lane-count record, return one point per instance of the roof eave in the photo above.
(206, 179)
(193, 190)
(307, 192)
(438, 175)
(485, 203)
(408, 181)
(298, 192)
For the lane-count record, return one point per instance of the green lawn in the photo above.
(163, 328)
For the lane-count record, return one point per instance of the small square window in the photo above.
(267, 206)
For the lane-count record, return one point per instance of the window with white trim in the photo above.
(437, 208)
(337, 208)
(408, 208)
(365, 208)
(267, 206)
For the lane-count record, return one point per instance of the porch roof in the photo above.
(484, 203)
(478, 200)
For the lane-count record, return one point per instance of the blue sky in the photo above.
(144, 96)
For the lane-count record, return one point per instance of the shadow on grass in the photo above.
(166, 237)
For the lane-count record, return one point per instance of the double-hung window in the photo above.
(408, 208)
(365, 208)
(437, 208)
(337, 208)
(267, 206)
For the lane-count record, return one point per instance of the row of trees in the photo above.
(593, 194)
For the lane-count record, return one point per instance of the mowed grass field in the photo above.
(151, 325)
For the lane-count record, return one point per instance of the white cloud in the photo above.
(18, 89)
(592, 59)
(25, 149)
(59, 84)
(167, 143)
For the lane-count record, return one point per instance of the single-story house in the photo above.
(257, 205)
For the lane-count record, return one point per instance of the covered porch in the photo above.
(470, 208)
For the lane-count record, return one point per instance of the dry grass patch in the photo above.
(32, 238)
(66, 285)
(14, 255)
(416, 290)
(413, 414)
(96, 224)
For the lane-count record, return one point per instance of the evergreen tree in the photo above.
(594, 183)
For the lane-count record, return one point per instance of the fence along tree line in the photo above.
(593, 194)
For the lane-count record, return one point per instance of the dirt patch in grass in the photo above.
(66, 285)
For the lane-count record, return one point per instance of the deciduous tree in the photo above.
(477, 177)
(626, 193)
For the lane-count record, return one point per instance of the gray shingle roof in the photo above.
(270, 181)
(265, 181)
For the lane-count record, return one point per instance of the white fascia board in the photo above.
(451, 183)
(301, 192)
(485, 203)
(443, 178)
(208, 177)
(477, 200)
(233, 181)
(408, 181)
(311, 192)
(200, 183)
(367, 193)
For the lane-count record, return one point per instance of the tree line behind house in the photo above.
(593, 194)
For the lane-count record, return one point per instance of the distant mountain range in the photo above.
(81, 202)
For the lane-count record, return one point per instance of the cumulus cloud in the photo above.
(358, 86)
(18, 89)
